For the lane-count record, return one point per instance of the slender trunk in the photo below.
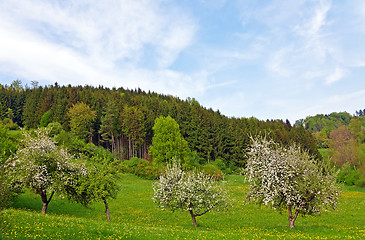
(133, 150)
(291, 218)
(129, 148)
(106, 209)
(113, 143)
(45, 201)
(44, 208)
(193, 217)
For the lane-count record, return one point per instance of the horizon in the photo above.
(268, 60)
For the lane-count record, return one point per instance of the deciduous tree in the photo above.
(167, 142)
(44, 168)
(101, 182)
(289, 178)
(81, 119)
(194, 192)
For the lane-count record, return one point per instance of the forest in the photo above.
(121, 121)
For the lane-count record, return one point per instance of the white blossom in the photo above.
(41, 165)
(189, 191)
(288, 178)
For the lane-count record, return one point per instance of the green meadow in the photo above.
(134, 216)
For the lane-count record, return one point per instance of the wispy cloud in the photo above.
(94, 41)
(335, 76)
(311, 27)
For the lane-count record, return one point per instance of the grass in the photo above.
(134, 216)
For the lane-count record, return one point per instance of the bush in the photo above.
(350, 176)
(192, 161)
(213, 171)
(142, 168)
(9, 124)
(55, 128)
(220, 164)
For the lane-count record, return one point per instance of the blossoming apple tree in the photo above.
(40, 165)
(289, 178)
(194, 192)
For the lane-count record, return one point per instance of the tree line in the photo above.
(342, 137)
(121, 120)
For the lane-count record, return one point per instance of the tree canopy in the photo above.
(289, 178)
(122, 120)
(194, 192)
(40, 165)
(167, 142)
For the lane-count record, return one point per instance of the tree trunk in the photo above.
(44, 208)
(45, 201)
(106, 209)
(193, 217)
(113, 143)
(291, 218)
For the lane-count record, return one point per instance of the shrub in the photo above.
(9, 124)
(350, 176)
(213, 171)
(142, 168)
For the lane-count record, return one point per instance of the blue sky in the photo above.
(267, 59)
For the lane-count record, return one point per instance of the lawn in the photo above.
(134, 216)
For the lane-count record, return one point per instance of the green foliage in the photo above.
(167, 142)
(350, 176)
(8, 143)
(45, 119)
(213, 171)
(327, 122)
(100, 183)
(81, 120)
(8, 147)
(7, 194)
(9, 124)
(142, 168)
(55, 129)
(124, 119)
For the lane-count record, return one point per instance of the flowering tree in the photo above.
(289, 178)
(189, 191)
(44, 168)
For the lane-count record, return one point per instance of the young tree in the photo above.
(289, 178)
(343, 147)
(81, 119)
(167, 142)
(194, 192)
(44, 168)
(100, 184)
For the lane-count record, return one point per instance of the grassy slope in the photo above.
(135, 216)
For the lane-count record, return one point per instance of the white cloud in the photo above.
(337, 75)
(95, 42)
(311, 27)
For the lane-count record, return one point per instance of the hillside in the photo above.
(122, 120)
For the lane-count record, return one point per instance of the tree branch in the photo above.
(50, 198)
